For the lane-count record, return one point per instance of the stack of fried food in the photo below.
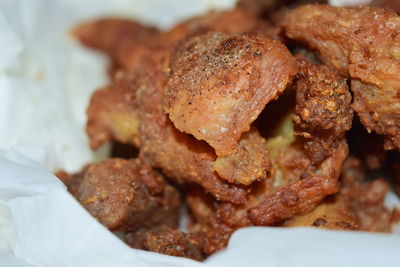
(246, 118)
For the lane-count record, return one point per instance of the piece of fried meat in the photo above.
(220, 84)
(362, 43)
(127, 195)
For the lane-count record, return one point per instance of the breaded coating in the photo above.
(180, 156)
(248, 162)
(126, 195)
(116, 37)
(112, 114)
(220, 83)
(169, 241)
(311, 177)
(333, 213)
(322, 110)
(363, 43)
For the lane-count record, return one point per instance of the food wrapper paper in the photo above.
(46, 80)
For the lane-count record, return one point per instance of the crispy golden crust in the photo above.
(363, 43)
(220, 84)
(112, 115)
(128, 195)
(167, 241)
(246, 163)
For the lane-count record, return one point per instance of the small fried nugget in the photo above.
(168, 241)
(220, 83)
(126, 195)
(322, 113)
(248, 162)
(367, 198)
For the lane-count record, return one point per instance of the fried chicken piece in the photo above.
(112, 114)
(363, 43)
(126, 195)
(130, 111)
(248, 162)
(116, 37)
(322, 117)
(322, 111)
(220, 83)
(168, 241)
(333, 213)
(180, 156)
